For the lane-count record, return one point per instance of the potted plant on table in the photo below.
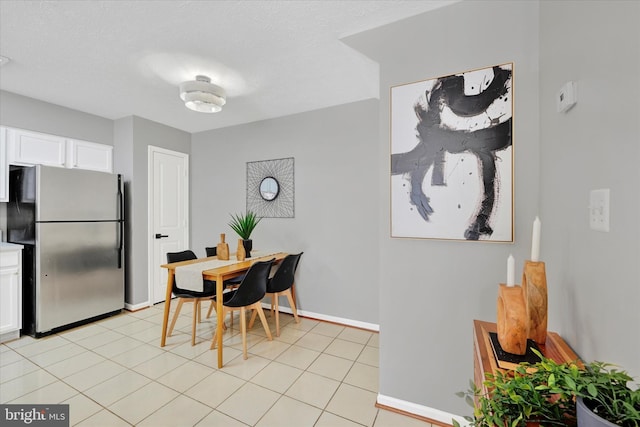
(546, 392)
(541, 393)
(243, 225)
(606, 399)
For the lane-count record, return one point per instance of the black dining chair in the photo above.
(232, 283)
(185, 295)
(249, 296)
(280, 285)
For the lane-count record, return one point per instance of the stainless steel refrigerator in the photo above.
(71, 224)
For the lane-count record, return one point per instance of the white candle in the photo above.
(511, 274)
(535, 241)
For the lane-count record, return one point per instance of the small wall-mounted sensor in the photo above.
(599, 210)
(567, 97)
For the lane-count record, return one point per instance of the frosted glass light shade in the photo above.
(203, 96)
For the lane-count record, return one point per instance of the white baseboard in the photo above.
(420, 410)
(341, 320)
(134, 307)
(10, 336)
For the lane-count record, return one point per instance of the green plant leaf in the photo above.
(593, 391)
(244, 224)
(570, 383)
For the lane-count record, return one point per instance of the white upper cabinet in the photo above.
(89, 155)
(34, 148)
(4, 166)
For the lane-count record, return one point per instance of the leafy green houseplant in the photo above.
(607, 395)
(243, 225)
(542, 392)
(545, 392)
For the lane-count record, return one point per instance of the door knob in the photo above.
(160, 236)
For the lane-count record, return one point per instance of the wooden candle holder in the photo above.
(222, 249)
(241, 254)
(512, 321)
(534, 286)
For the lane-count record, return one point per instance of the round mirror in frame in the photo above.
(269, 188)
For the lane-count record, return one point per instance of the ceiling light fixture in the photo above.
(4, 60)
(202, 95)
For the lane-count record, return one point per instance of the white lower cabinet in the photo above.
(10, 291)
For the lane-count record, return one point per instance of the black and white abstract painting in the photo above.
(452, 156)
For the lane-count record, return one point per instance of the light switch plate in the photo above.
(599, 210)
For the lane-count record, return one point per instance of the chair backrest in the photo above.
(212, 251)
(253, 286)
(180, 256)
(284, 276)
(177, 257)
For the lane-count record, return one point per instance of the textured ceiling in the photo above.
(121, 58)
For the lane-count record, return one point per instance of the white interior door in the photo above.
(168, 213)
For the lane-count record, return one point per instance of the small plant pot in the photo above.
(248, 245)
(588, 418)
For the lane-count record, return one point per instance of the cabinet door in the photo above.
(32, 148)
(10, 293)
(4, 166)
(89, 155)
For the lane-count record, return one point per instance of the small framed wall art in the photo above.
(270, 188)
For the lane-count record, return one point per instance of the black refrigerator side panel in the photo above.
(28, 290)
(21, 209)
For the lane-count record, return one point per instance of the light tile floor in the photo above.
(114, 373)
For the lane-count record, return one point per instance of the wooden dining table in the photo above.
(219, 275)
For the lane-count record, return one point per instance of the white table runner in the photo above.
(189, 277)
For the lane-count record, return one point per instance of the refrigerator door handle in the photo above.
(120, 221)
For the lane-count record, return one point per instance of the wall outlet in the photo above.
(599, 210)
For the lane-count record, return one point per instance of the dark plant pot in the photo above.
(248, 245)
(588, 418)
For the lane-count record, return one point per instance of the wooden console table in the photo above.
(484, 361)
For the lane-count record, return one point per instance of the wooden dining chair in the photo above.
(280, 285)
(184, 295)
(249, 296)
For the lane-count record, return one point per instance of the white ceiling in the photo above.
(120, 58)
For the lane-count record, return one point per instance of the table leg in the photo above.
(167, 306)
(219, 314)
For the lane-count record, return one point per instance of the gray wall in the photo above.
(336, 200)
(434, 289)
(123, 164)
(593, 276)
(134, 136)
(32, 114)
